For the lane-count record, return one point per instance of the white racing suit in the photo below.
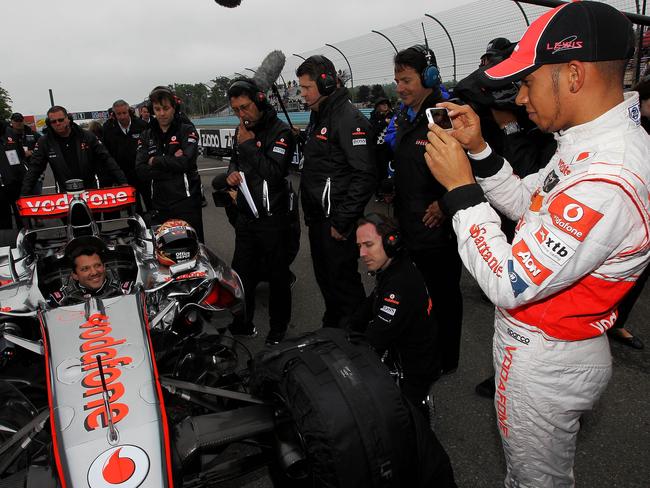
(582, 240)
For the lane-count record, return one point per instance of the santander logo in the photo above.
(119, 467)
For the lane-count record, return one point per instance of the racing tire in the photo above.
(348, 417)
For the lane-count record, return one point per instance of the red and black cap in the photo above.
(577, 31)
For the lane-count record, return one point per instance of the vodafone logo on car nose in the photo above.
(119, 467)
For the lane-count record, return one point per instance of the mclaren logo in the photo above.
(119, 467)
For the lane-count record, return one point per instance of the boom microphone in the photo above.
(269, 70)
(229, 3)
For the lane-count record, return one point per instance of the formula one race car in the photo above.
(148, 388)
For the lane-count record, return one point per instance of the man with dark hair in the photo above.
(338, 179)
(262, 152)
(89, 277)
(121, 136)
(166, 159)
(396, 317)
(428, 236)
(72, 153)
(380, 117)
(582, 237)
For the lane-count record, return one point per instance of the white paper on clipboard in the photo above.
(243, 187)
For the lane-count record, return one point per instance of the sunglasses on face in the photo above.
(57, 121)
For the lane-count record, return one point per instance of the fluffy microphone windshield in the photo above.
(269, 70)
(229, 3)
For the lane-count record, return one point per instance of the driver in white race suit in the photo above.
(582, 237)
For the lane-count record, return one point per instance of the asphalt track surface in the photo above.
(614, 442)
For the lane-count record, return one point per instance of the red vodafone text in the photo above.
(97, 341)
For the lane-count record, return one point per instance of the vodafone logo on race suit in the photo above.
(535, 270)
(119, 467)
(57, 204)
(573, 217)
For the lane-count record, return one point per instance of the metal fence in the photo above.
(469, 26)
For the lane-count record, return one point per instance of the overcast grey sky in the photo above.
(91, 53)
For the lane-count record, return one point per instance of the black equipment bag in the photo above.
(356, 428)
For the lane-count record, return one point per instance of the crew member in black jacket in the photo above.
(12, 172)
(429, 239)
(121, 135)
(396, 317)
(73, 153)
(166, 159)
(338, 179)
(262, 152)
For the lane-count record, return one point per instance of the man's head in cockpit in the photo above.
(88, 268)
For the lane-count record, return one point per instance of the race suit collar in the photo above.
(614, 120)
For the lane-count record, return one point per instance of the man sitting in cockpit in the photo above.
(89, 277)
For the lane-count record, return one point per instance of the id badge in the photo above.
(13, 158)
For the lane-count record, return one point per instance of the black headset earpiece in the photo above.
(326, 79)
(172, 95)
(391, 238)
(255, 94)
(430, 75)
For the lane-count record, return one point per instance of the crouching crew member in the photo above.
(396, 317)
(166, 159)
(262, 153)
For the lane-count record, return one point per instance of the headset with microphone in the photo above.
(391, 238)
(252, 90)
(325, 79)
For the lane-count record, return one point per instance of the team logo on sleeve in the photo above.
(551, 181)
(573, 217)
(535, 270)
(359, 137)
(536, 201)
(518, 284)
(388, 307)
(552, 246)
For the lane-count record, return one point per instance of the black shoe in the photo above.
(486, 388)
(244, 330)
(631, 341)
(274, 338)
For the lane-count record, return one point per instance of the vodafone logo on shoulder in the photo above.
(573, 217)
(119, 467)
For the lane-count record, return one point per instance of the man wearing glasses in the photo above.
(72, 153)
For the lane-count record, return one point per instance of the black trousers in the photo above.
(261, 252)
(336, 269)
(441, 269)
(193, 216)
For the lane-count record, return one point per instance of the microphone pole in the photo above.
(284, 110)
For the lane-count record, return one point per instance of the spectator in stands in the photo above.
(95, 126)
(166, 159)
(121, 137)
(71, 152)
(428, 235)
(338, 179)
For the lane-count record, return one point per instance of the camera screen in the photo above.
(440, 117)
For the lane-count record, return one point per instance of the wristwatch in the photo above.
(511, 128)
